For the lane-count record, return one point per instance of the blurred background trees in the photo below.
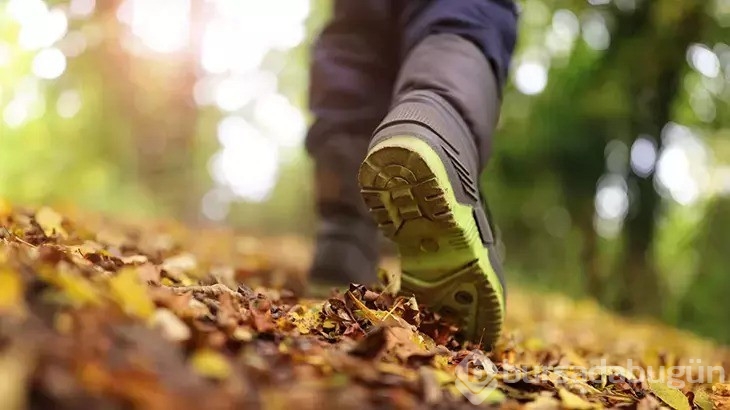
(610, 175)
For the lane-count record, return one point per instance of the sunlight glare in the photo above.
(531, 78)
(81, 8)
(279, 117)
(566, 23)
(161, 25)
(233, 93)
(49, 64)
(5, 54)
(43, 30)
(248, 163)
(673, 172)
(683, 168)
(612, 205)
(216, 204)
(68, 104)
(643, 156)
(74, 44)
(24, 11)
(704, 60)
(563, 32)
(233, 128)
(16, 113)
(595, 31)
(612, 198)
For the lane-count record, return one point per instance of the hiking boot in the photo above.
(346, 249)
(345, 252)
(419, 182)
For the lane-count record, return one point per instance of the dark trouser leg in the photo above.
(354, 65)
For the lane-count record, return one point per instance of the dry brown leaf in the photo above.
(721, 395)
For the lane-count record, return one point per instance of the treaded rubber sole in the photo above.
(406, 187)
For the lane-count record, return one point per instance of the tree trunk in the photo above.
(654, 80)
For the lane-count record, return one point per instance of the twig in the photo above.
(209, 290)
(19, 239)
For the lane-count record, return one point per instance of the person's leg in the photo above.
(354, 65)
(420, 177)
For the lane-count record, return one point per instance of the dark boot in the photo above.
(347, 239)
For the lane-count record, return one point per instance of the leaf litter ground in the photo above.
(96, 314)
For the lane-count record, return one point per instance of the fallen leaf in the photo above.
(210, 363)
(371, 345)
(671, 396)
(183, 263)
(50, 221)
(543, 402)
(148, 273)
(702, 397)
(172, 328)
(134, 259)
(130, 294)
(307, 322)
(573, 401)
(11, 290)
(5, 208)
(720, 395)
(73, 286)
(16, 365)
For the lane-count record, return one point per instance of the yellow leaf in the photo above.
(5, 208)
(377, 316)
(210, 363)
(131, 295)
(305, 322)
(573, 401)
(16, 367)
(543, 403)
(50, 221)
(703, 399)
(444, 378)
(73, 286)
(11, 289)
(674, 398)
(490, 396)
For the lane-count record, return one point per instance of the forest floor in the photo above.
(95, 314)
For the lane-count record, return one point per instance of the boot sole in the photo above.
(406, 187)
